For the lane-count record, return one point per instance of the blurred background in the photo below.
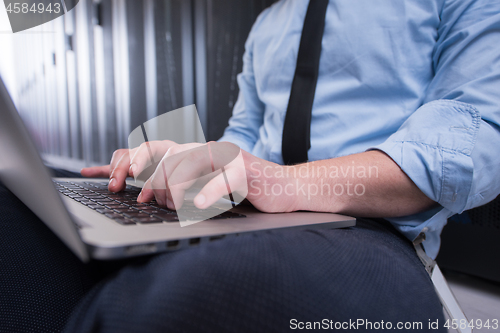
(84, 81)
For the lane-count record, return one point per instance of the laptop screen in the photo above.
(22, 171)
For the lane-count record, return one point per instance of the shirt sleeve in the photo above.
(248, 111)
(450, 146)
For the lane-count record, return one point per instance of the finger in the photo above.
(96, 172)
(160, 188)
(230, 181)
(154, 188)
(117, 155)
(192, 168)
(148, 154)
(115, 159)
(157, 185)
(147, 193)
(175, 155)
(176, 149)
(193, 165)
(119, 174)
(184, 169)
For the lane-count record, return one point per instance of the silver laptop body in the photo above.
(90, 234)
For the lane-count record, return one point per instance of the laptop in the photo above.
(97, 224)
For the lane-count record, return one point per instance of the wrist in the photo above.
(314, 190)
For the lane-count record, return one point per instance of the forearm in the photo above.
(368, 184)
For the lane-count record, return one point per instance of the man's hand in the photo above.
(220, 167)
(366, 184)
(127, 162)
(182, 165)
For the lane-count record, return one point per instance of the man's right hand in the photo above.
(127, 162)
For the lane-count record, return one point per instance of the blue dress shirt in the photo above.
(419, 80)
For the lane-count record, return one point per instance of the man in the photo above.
(406, 89)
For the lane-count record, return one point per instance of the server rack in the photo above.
(89, 77)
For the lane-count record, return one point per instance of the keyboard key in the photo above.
(124, 221)
(167, 217)
(104, 210)
(114, 205)
(115, 196)
(102, 201)
(124, 209)
(130, 202)
(133, 188)
(100, 189)
(139, 206)
(146, 220)
(167, 211)
(135, 214)
(86, 185)
(93, 195)
(82, 191)
(151, 210)
(95, 206)
(114, 216)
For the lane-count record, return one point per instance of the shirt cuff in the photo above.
(432, 221)
(433, 147)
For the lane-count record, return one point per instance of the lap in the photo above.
(41, 281)
(260, 282)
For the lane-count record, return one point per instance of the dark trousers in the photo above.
(268, 282)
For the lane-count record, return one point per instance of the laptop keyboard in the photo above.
(123, 208)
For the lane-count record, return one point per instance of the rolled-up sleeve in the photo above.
(450, 146)
(434, 147)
